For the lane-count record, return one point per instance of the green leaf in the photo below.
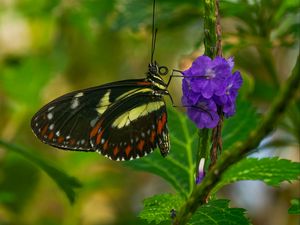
(7, 197)
(178, 167)
(158, 208)
(64, 181)
(37, 70)
(217, 212)
(19, 179)
(272, 171)
(295, 206)
(238, 127)
(131, 15)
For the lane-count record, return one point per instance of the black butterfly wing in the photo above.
(67, 121)
(133, 127)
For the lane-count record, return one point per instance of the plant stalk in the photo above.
(198, 197)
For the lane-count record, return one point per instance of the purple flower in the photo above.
(203, 111)
(208, 88)
(207, 76)
(201, 171)
(233, 84)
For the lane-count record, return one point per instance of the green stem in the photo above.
(280, 104)
(210, 42)
(210, 34)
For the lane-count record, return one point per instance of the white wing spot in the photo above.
(94, 121)
(143, 134)
(80, 94)
(68, 137)
(50, 116)
(50, 108)
(102, 141)
(75, 103)
(82, 141)
(51, 126)
(57, 133)
(92, 144)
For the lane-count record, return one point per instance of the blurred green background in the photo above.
(50, 47)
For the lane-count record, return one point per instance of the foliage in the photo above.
(216, 212)
(178, 167)
(295, 206)
(58, 46)
(272, 171)
(238, 127)
(66, 183)
(158, 208)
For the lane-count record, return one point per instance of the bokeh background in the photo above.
(50, 47)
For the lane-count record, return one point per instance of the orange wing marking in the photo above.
(152, 137)
(50, 136)
(105, 145)
(60, 139)
(95, 129)
(140, 145)
(44, 130)
(116, 150)
(147, 83)
(161, 123)
(128, 150)
(99, 137)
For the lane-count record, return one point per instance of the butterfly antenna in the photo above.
(154, 32)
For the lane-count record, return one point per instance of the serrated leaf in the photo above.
(295, 206)
(238, 127)
(66, 183)
(158, 208)
(272, 171)
(178, 167)
(217, 212)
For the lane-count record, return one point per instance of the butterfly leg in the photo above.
(174, 75)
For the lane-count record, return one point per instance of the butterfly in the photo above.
(122, 120)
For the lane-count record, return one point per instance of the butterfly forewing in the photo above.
(122, 120)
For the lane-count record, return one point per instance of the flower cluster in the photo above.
(209, 87)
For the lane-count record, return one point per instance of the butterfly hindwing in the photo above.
(132, 127)
(66, 122)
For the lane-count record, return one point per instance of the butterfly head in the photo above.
(155, 69)
(154, 75)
